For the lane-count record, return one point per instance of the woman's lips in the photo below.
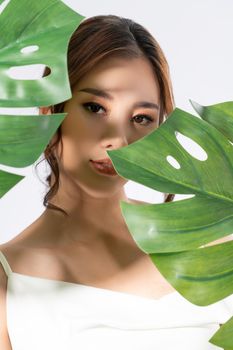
(104, 166)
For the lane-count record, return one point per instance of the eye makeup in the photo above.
(95, 107)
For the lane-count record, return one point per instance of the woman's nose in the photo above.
(115, 137)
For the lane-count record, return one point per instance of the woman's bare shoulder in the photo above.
(37, 235)
(32, 260)
(17, 244)
(8, 248)
(28, 252)
(12, 252)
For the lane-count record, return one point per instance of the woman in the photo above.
(75, 276)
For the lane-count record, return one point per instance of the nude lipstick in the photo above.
(104, 166)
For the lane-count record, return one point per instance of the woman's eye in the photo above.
(94, 107)
(139, 118)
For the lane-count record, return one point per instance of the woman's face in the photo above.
(106, 112)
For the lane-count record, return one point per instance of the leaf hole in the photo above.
(27, 72)
(173, 162)
(192, 147)
(29, 49)
(4, 5)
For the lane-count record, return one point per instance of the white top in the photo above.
(56, 315)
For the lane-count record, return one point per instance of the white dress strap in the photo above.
(5, 264)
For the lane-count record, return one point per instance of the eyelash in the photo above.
(149, 119)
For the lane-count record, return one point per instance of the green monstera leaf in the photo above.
(174, 233)
(40, 37)
(46, 30)
(22, 140)
(224, 336)
(219, 115)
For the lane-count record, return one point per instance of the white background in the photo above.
(196, 37)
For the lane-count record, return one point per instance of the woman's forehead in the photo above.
(117, 78)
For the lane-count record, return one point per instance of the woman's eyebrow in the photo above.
(105, 94)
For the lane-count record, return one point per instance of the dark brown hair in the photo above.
(95, 38)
